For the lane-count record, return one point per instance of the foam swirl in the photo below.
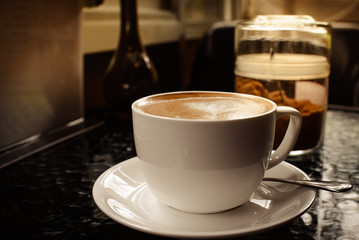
(205, 106)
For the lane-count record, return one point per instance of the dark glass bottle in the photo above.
(131, 73)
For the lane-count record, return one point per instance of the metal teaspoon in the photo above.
(331, 186)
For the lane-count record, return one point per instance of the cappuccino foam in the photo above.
(203, 106)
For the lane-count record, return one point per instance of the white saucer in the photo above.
(122, 194)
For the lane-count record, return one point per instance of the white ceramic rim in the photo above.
(135, 109)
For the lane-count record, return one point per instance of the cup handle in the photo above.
(290, 137)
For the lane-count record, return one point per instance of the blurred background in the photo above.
(54, 54)
(172, 31)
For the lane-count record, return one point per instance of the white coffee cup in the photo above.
(210, 161)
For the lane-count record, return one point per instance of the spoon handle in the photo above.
(325, 185)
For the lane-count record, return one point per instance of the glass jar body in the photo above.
(286, 59)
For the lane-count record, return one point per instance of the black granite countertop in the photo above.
(48, 195)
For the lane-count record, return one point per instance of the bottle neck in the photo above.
(129, 26)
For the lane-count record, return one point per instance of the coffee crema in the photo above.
(203, 106)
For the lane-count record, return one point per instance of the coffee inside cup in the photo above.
(204, 106)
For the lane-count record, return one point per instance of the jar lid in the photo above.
(268, 22)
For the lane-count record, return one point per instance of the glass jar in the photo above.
(286, 58)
